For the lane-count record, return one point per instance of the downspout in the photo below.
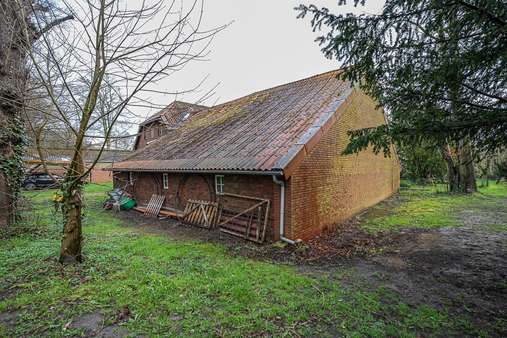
(281, 183)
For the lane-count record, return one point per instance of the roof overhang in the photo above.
(201, 171)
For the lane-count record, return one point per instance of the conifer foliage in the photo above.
(438, 67)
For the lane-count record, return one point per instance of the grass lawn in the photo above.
(431, 207)
(187, 288)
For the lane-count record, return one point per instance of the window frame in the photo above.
(219, 184)
(165, 181)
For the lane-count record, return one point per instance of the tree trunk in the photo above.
(12, 83)
(460, 169)
(467, 170)
(453, 175)
(70, 250)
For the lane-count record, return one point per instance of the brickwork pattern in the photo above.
(328, 188)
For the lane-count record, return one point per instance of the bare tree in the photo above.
(117, 49)
(120, 130)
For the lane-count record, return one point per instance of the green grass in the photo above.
(187, 288)
(430, 207)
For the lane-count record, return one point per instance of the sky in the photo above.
(265, 45)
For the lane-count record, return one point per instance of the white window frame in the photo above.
(165, 181)
(219, 184)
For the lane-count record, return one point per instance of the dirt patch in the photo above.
(8, 319)
(8, 293)
(113, 331)
(462, 269)
(93, 325)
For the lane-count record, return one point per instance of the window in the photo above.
(165, 181)
(186, 116)
(131, 177)
(219, 184)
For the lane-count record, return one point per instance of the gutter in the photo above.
(281, 183)
(199, 171)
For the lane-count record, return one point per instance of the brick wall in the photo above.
(96, 175)
(183, 187)
(327, 187)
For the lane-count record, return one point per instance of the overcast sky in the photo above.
(264, 46)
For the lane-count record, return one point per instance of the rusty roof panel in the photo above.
(261, 131)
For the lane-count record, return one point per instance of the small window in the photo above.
(219, 184)
(165, 181)
(131, 177)
(186, 116)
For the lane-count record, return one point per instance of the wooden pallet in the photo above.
(249, 223)
(204, 214)
(154, 206)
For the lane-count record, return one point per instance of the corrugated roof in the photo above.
(259, 132)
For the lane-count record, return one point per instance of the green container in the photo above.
(127, 203)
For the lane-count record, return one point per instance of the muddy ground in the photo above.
(462, 269)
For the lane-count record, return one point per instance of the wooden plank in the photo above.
(140, 209)
(264, 226)
(241, 213)
(238, 234)
(249, 225)
(258, 223)
(215, 214)
(245, 197)
(204, 211)
(169, 213)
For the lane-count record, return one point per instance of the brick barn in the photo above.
(282, 146)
